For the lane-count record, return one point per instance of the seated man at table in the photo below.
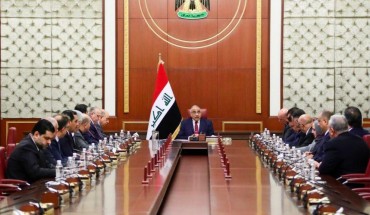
(26, 162)
(354, 118)
(195, 125)
(345, 152)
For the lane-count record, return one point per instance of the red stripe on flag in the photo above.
(160, 82)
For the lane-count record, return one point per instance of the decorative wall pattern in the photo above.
(51, 56)
(326, 48)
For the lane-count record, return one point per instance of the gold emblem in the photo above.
(192, 9)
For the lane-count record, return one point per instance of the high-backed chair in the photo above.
(203, 111)
(8, 185)
(10, 143)
(12, 132)
(2, 162)
(5, 188)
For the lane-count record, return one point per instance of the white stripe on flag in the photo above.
(161, 106)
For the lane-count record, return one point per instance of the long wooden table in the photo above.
(253, 188)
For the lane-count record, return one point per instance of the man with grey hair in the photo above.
(345, 153)
(84, 127)
(103, 121)
(93, 135)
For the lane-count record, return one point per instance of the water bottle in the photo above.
(70, 166)
(128, 135)
(313, 168)
(58, 171)
(122, 135)
(83, 157)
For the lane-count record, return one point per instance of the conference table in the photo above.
(189, 181)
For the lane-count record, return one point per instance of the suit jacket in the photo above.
(306, 139)
(66, 146)
(80, 141)
(27, 163)
(187, 129)
(294, 139)
(56, 151)
(291, 136)
(359, 131)
(318, 150)
(100, 130)
(345, 154)
(92, 135)
(49, 157)
(286, 132)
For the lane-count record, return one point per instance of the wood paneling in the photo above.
(145, 46)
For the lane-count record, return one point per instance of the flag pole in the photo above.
(160, 61)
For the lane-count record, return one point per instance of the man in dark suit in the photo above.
(27, 162)
(354, 118)
(305, 125)
(67, 143)
(195, 125)
(92, 135)
(283, 119)
(345, 153)
(317, 153)
(55, 147)
(103, 121)
(297, 135)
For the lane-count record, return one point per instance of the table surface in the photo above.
(253, 188)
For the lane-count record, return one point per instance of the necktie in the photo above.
(196, 129)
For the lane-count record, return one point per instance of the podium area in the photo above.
(189, 181)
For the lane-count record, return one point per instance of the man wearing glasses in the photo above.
(195, 125)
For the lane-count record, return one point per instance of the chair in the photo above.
(5, 188)
(10, 143)
(203, 111)
(12, 131)
(2, 162)
(8, 185)
(359, 175)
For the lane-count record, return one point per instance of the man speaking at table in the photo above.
(195, 125)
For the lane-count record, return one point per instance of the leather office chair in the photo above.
(12, 133)
(203, 111)
(8, 186)
(10, 143)
(5, 188)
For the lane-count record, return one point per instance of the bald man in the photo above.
(305, 125)
(195, 125)
(103, 121)
(283, 119)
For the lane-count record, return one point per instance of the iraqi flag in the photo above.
(165, 116)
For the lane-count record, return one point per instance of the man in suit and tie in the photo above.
(305, 125)
(67, 144)
(26, 162)
(195, 125)
(317, 152)
(345, 153)
(103, 121)
(55, 147)
(92, 135)
(354, 118)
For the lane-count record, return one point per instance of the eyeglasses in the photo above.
(195, 111)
